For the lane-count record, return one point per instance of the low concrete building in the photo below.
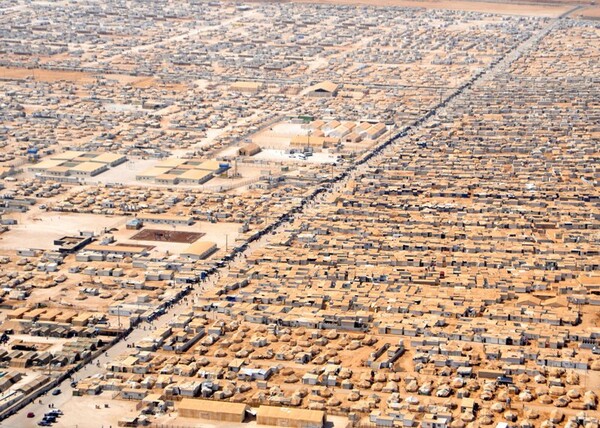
(79, 164)
(195, 176)
(286, 417)
(247, 87)
(124, 250)
(165, 219)
(199, 250)
(210, 410)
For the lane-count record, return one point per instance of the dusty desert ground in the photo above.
(45, 227)
(589, 12)
(44, 75)
(523, 9)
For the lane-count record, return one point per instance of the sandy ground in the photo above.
(56, 75)
(82, 413)
(54, 344)
(229, 151)
(124, 173)
(45, 75)
(591, 380)
(40, 231)
(545, 10)
(592, 12)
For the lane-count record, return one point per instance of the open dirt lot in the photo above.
(591, 12)
(221, 233)
(82, 411)
(522, 9)
(124, 173)
(40, 231)
(70, 76)
(167, 236)
(45, 75)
